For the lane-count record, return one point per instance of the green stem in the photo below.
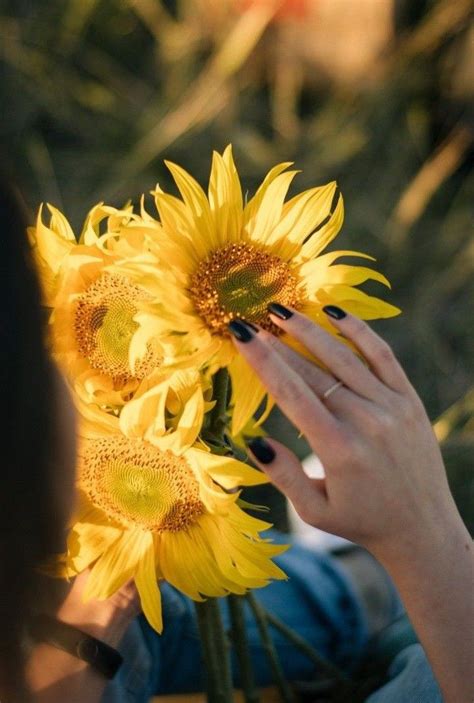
(215, 644)
(220, 393)
(239, 638)
(278, 674)
(222, 644)
(300, 643)
(209, 650)
(216, 652)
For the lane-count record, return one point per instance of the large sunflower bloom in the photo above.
(92, 320)
(218, 259)
(148, 513)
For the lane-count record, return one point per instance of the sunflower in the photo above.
(218, 258)
(93, 308)
(146, 513)
(168, 409)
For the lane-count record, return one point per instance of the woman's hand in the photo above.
(54, 675)
(107, 620)
(385, 485)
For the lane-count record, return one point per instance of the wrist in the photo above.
(425, 547)
(101, 657)
(101, 620)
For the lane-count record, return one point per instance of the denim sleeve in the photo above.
(410, 680)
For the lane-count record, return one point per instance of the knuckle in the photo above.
(289, 389)
(357, 326)
(282, 477)
(343, 357)
(384, 354)
(380, 423)
(307, 507)
(272, 342)
(305, 325)
(306, 512)
(343, 448)
(353, 457)
(262, 353)
(413, 409)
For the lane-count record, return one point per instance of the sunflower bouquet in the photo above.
(139, 312)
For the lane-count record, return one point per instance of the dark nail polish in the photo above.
(334, 311)
(263, 451)
(241, 330)
(280, 311)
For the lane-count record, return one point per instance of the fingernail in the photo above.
(280, 311)
(263, 451)
(241, 330)
(334, 311)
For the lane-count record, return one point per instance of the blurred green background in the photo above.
(377, 94)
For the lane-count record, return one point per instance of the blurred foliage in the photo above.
(94, 94)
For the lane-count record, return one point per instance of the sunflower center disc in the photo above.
(104, 327)
(139, 485)
(239, 281)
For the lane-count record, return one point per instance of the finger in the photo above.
(373, 348)
(293, 395)
(318, 380)
(337, 357)
(285, 470)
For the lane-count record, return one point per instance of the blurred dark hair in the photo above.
(27, 529)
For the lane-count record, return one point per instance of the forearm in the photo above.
(435, 579)
(55, 676)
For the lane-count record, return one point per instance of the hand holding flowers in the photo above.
(140, 309)
(142, 315)
(385, 485)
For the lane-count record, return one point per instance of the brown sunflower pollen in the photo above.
(138, 485)
(104, 326)
(239, 281)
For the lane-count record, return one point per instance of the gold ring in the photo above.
(331, 390)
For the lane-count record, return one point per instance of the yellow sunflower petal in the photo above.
(185, 563)
(242, 559)
(253, 204)
(316, 267)
(195, 200)
(229, 472)
(247, 392)
(225, 198)
(238, 570)
(353, 275)
(117, 565)
(325, 234)
(146, 582)
(144, 416)
(60, 224)
(180, 227)
(51, 245)
(261, 222)
(87, 541)
(94, 421)
(300, 216)
(190, 422)
(169, 414)
(357, 302)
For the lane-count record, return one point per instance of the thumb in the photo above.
(284, 469)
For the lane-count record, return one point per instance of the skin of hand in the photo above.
(385, 485)
(54, 675)
(106, 620)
